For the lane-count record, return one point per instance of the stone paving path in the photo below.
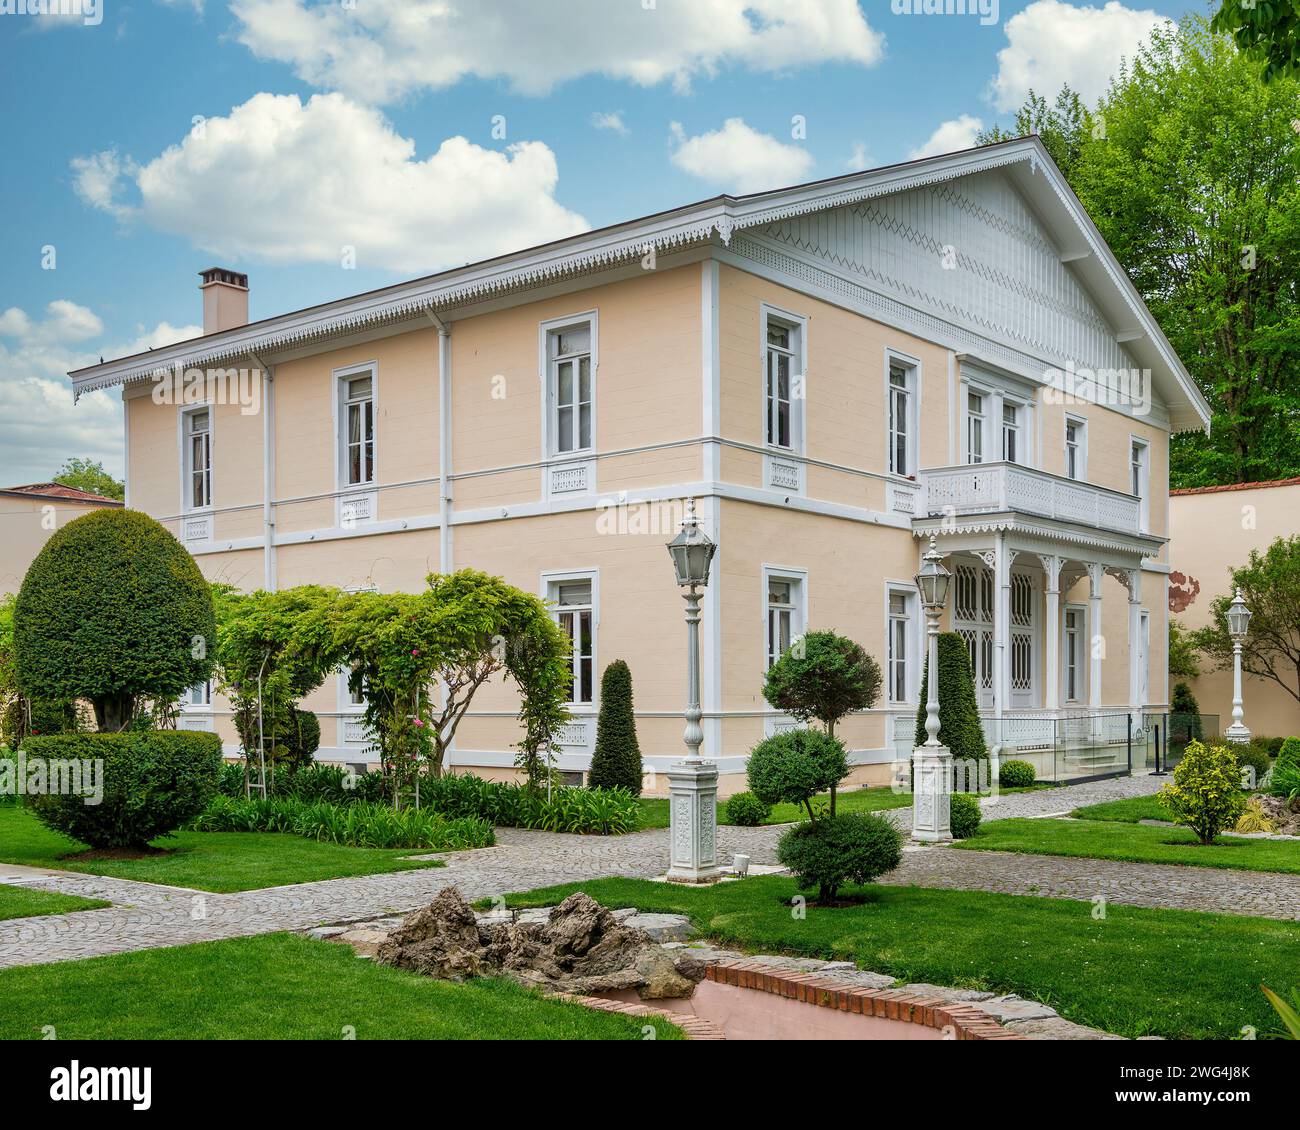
(145, 915)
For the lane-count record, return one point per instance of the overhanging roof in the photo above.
(1025, 160)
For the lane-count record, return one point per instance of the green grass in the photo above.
(282, 987)
(1135, 843)
(208, 861)
(22, 902)
(1136, 972)
(1128, 811)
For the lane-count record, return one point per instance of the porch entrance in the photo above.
(973, 620)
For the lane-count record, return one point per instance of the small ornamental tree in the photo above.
(959, 712)
(824, 676)
(115, 611)
(1184, 715)
(795, 766)
(1206, 791)
(616, 761)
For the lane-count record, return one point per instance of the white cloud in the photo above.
(859, 158)
(739, 159)
(42, 425)
(952, 135)
(612, 121)
(283, 181)
(380, 50)
(1052, 43)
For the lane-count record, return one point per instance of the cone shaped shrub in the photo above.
(616, 762)
(959, 712)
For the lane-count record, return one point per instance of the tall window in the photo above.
(1012, 447)
(1073, 654)
(359, 430)
(574, 613)
(199, 695)
(782, 344)
(899, 645)
(569, 352)
(1139, 471)
(975, 422)
(900, 419)
(1075, 449)
(198, 458)
(782, 616)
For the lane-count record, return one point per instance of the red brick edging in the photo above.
(694, 1027)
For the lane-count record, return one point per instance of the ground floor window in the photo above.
(575, 612)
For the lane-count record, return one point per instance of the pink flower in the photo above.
(418, 722)
(415, 651)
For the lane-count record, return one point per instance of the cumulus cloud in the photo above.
(952, 135)
(42, 425)
(283, 181)
(1052, 43)
(612, 122)
(380, 50)
(739, 159)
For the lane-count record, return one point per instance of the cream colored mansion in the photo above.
(835, 371)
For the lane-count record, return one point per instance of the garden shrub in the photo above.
(1184, 716)
(1205, 794)
(154, 782)
(794, 766)
(616, 760)
(746, 810)
(959, 712)
(965, 815)
(113, 610)
(302, 738)
(1254, 819)
(607, 812)
(1273, 745)
(1289, 752)
(1285, 781)
(22, 719)
(1252, 763)
(854, 847)
(1016, 774)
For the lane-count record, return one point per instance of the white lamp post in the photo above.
(1238, 622)
(932, 762)
(692, 783)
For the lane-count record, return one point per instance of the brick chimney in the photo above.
(225, 299)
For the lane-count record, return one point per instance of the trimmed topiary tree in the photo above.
(1016, 774)
(115, 611)
(616, 760)
(1289, 754)
(746, 810)
(854, 847)
(795, 766)
(959, 712)
(1184, 716)
(966, 815)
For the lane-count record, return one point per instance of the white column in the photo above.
(1002, 558)
(1096, 641)
(1052, 637)
(1135, 656)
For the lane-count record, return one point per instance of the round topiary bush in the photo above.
(113, 609)
(965, 815)
(746, 810)
(855, 847)
(1016, 775)
(794, 766)
(150, 783)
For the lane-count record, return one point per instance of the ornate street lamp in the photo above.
(932, 762)
(1238, 624)
(692, 783)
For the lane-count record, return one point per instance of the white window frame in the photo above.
(1082, 659)
(912, 368)
(798, 327)
(549, 586)
(1144, 671)
(1080, 445)
(1143, 469)
(341, 377)
(183, 426)
(205, 702)
(997, 393)
(914, 659)
(546, 374)
(798, 582)
(970, 423)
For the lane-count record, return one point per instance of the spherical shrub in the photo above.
(1016, 775)
(855, 847)
(152, 782)
(746, 810)
(794, 766)
(965, 815)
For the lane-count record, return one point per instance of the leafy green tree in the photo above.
(1270, 586)
(82, 474)
(1266, 30)
(795, 766)
(1184, 659)
(1062, 126)
(115, 611)
(959, 712)
(616, 760)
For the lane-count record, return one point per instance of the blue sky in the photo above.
(150, 139)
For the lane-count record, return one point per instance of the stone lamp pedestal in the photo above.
(931, 794)
(693, 800)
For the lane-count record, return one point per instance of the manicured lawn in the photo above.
(22, 902)
(209, 861)
(1128, 811)
(1135, 972)
(1137, 843)
(282, 987)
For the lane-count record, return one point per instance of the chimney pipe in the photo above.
(225, 299)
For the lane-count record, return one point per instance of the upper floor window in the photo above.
(782, 341)
(198, 458)
(902, 418)
(1140, 476)
(571, 387)
(1012, 440)
(976, 422)
(358, 418)
(899, 644)
(575, 609)
(1076, 448)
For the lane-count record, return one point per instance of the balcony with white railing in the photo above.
(988, 488)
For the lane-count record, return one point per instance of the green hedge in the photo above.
(959, 714)
(965, 815)
(745, 810)
(589, 811)
(154, 781)
(1016, 774)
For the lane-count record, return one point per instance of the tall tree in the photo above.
(1062, 126)
(85, 475)
(1189, 167)
(1268, 32)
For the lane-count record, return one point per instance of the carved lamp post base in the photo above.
(693, 815)
(932, 794)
